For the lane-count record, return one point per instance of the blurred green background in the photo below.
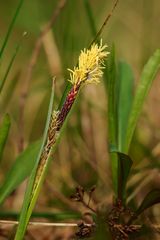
(82, 155)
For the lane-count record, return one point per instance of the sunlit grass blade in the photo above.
(148, 74)
(2, 82)
(110, 86)
(11, 27)
(18, 173)
(4, 130)
(124, 101)
(30, 195)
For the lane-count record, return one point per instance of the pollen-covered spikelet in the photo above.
(90, 65)
(89, 70)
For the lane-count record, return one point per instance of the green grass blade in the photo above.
(124, 102)
(90, 17)
(2, 82)
(110, 86)
(124, 167)
(60, 216)
(67, 89)
(4, 130)
(152, 198)
(9, 92)
(148, 74)
(20, 170)
(11, 27)
(32, 194)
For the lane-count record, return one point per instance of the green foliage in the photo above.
(9, 67)
(110, 85)
(31, 194)
(148, 74)
(125, 90)
(8, 94)
(49, 215)
(2, 82)
(90, 17)
(152, 198)
(124, 167)
(4, 130)
(124, 109)
(20, 170)
(10, 28)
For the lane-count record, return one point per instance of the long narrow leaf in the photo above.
(152, 198)
(124, 167)
(124, 101)
(149, 72)
(32, 194)
(112, 123)
(9, 91)
(11, 27)
(18, 173)
(4, 130)
(2, 82)
(90, 16)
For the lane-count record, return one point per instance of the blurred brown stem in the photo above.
(105, 22)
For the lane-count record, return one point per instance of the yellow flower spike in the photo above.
(90, 65)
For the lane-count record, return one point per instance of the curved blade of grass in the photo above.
(152, 198)
(148, 74)
(2, 82)
(110, 85)
(124, 102)
(124, 167)
(7, 95)
(10, 27)
(4, 130)
(32, 194)
(20, 170)
(90, 17)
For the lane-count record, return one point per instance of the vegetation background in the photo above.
(82, 154)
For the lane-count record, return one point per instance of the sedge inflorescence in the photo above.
(90, 65)
(89, 70)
